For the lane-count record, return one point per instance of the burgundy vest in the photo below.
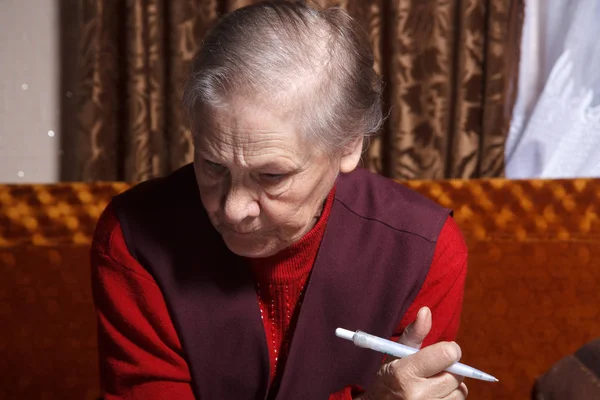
(373, 259)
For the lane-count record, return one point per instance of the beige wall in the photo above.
(29, 85)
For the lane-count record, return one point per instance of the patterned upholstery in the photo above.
(531, 297)
(50, 215)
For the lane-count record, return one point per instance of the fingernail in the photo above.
(458, 351)
(422, 312)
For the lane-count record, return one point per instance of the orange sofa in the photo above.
(532, 294)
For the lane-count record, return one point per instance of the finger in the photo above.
(444, 383)
(415, 333)
(434, 359)
(461, 393)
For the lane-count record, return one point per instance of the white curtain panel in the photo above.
(555, 131)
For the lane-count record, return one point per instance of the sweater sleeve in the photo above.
(139, 351)
(443, 288)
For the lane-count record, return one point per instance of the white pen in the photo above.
(362, 339)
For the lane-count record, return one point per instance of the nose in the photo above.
(239, 204)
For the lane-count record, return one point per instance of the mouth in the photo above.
(238, 232)
(244, 233)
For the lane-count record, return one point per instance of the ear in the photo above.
(351, 155)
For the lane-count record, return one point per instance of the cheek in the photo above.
(312, 189)
(281, 215)
(292, 208)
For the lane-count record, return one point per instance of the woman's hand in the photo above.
(421, 375)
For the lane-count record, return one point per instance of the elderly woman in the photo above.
(227, 279)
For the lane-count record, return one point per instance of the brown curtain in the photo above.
(450, 68)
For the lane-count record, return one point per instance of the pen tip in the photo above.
(496, 380)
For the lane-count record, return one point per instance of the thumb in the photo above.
(415, 333)
(434, 359)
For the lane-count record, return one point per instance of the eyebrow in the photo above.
(289, 167)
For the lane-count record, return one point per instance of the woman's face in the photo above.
(261, 183)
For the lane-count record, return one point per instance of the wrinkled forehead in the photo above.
(250, 127)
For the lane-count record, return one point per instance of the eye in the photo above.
(215, 168)
(272, 178)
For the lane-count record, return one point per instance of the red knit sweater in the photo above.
(140, 353)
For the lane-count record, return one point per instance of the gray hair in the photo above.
(316, 64)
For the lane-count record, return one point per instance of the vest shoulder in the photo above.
(176, 189)
(373, 197)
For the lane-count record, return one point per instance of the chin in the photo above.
(251, 247)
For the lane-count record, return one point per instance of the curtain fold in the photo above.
(450, 69)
